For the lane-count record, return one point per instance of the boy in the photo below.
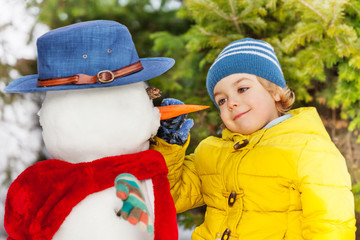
(273, 174)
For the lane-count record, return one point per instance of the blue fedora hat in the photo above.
(89, 54)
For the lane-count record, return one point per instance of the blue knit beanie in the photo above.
(245, 56)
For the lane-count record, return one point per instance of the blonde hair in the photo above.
(287, 96)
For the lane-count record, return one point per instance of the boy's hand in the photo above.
(134, 209)
(175, 130)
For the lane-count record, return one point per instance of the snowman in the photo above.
(97, 119)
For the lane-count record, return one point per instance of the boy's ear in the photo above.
(277, 97)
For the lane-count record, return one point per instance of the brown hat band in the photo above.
(104, 76)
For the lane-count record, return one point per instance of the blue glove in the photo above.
(175, 130)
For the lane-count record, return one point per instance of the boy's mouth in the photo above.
(241, 114)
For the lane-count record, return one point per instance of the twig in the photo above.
(234, 18)
(334, 14)
(215, 11)
(313, 9)
(354, 8)
(202, 30)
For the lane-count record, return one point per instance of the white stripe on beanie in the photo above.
(271, 53)
(251, 53)
(265, 44)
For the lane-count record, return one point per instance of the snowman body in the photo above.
(89, 124)
(95, 218)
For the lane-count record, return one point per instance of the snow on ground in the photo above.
(185, 234)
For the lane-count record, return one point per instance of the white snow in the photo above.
(185, 234)
(20, 141)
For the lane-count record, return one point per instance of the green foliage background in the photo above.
(317, 43)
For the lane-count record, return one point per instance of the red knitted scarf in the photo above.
(40, 199)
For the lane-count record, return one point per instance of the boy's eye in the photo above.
(242, 89)
(221, 101)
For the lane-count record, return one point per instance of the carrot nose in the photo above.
(171, 111)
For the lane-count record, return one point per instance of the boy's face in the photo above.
(245, 105)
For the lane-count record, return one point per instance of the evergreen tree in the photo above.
(316, 42)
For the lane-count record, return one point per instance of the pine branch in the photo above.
(253, 23)
(357, 10)
(203, 31)
(300, 36)
(247, 10)
(208, 6)
(334, 14)
(338, 6)
(314, 10)
(234, 17)
(220, 14)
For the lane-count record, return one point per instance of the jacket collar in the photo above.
(305, 120)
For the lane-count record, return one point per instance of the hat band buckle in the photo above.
(105, 76)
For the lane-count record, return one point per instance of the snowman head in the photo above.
(87, 124)
(95, 91)
(96, 104)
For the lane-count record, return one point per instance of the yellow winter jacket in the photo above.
(286, 182)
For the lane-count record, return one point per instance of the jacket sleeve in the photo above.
(184, 181)
(325, 188)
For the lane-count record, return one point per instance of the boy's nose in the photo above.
(232, 103)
